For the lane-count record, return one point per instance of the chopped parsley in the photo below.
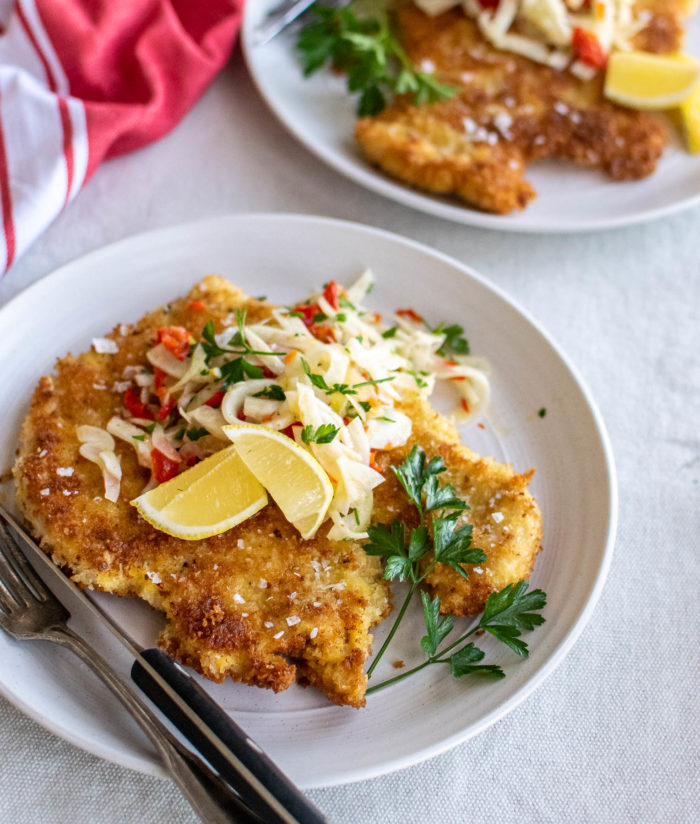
(454, 343)
(273, 393)
(325, 433)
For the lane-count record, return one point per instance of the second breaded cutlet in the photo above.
(509, 112)
(256, 603)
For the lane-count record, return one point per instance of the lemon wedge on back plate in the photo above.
(295, 479)
(211, 497)
(650, 81)
(690, 112)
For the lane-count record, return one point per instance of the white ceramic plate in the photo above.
(284, 257)
(321, 115)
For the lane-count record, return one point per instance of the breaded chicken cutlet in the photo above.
(509, 112)
(256, 603)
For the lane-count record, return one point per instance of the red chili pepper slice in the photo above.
(215, 399)
(135, 407)
(159, 376)
(196, 305)
(332, 294)
(309, 312)
(163, 467)
(288, 431)
(411, 314)
(175, 339)
(167, 404)
(323, 332)
(489, 4)
(588, 49)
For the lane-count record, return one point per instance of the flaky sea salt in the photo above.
(313, 633)
(497, 517)
(154, 576)
(278, 634)
(105, 346)
(65, 471)
(45, 491)
(239, 599)
(293, 620)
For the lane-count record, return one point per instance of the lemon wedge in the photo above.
(690, 112)
(295, 479)
(211, 497)
(650, 81)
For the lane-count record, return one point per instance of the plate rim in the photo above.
(377, 182)
(147, 765)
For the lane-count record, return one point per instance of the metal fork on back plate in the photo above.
(30, 611)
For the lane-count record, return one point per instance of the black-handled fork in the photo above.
(265, 791)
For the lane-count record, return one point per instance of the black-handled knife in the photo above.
(240, 762)
(267, 792)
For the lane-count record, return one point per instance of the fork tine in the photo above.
(17, 576)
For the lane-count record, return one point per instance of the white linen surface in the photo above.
(613, 735)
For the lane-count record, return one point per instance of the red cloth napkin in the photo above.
(86, 80)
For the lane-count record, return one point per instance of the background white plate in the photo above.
(284, 257)
(321, 115)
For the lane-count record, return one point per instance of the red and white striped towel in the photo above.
(85, 80)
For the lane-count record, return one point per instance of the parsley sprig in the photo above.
(373, 59)
(506, 613)
(439, 538)
(412, 558)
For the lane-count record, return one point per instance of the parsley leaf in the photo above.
(324, 434)
(197, 432)
(413, 473)
(384, 541)
(441, 496)
(235, 371)
(397, 566)
(452, 544)
(273, 392)
(465, 662)
(438, 628)
(510, 610)
(454, 340)
(390, 333)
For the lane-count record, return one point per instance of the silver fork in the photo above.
(29, 611)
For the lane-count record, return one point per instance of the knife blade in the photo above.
(239, 760)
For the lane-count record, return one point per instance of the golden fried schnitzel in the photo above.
(510, 111)
(256, 603)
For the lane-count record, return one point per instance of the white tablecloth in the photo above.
(613, 735)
